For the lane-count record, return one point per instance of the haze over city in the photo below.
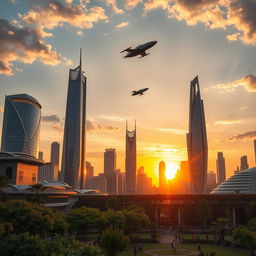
(190, 42)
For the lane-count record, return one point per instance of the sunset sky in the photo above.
(40, 41)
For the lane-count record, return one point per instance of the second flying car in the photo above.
(139, 50)
(139, 92)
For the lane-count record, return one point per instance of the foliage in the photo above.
(135, 219)
(38, 188)
(245, 238)
(251, 210)
(113, 203)
(252, 224)
(203, 212)
(31, 218)
(25, 244)
(221, 227)
(113, 241)
(82, 219)
(4, 182)
(116, 219)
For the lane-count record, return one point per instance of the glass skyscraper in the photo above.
(197, 141)
(21, 124)
(130, 161)
(73, 154)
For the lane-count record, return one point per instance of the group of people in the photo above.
(200, 252)
(138, 249)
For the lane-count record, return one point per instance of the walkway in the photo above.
(166, 252)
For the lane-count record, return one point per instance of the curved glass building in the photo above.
(21, 124)
(197, 141)
(243, 182)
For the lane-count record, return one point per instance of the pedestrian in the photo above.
(198, 247)
(135, 250)
(140, 248)
(174, 246)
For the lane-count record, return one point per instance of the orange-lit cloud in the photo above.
(92, 126)
(114, 6)
(123, 24)
(23, 44)
(248, 82)
(172, 130)
(227, 122)
(129, 4)
(238, 14)
(54, 13)
(244, 136)
(51, 118)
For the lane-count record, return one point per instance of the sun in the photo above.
(171, 170)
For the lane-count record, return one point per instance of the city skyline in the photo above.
(161, 129)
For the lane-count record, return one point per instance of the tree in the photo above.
(221, 227)
(82, 219)
(245, 238)
(31, 218)
(203, 212)
(25, 244)
(251, 210)
(4, 182)
(116, 219)
(113, 241)
(113, 202)
(38, 188)
(252, 224)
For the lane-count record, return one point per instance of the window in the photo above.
(21, 174)
(33, 177)
(8, 172)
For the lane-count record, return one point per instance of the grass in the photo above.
(165, 248)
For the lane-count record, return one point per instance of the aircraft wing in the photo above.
(143, 54)
(127, 50)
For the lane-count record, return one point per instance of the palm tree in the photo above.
(4, 182)
(38, 188)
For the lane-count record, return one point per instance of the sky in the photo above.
(216, 40)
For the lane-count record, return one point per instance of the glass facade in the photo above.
(73, 154)
(21, 125)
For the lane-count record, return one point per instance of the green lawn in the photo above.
(164, 249)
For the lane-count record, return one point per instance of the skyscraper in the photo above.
(221, 169)
(211, 181)
(243, 163)
(41, 155)
(255, 151)
(21, 124)
(162, 177)
(73, 154)
(55, 153)
(197, 140)
(109, 170)
(130, 161)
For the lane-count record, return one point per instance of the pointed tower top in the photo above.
(80, 57)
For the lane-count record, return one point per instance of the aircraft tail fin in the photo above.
(126, 50)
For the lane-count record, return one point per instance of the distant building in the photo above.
(211, 181)
(255, 151)
(197, 140)
(162, 177)
(55, 154)
(19, 168)
(221, 169)
(21, 124)
(243, 163)
(144, 183)
(89, 170)
(41, 155)
(121, 182)
(48, 172)
(185, 178)
(109, 170)
(130, 161)
(73, 153)
(97, 182)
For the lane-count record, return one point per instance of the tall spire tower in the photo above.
(73, 154)
(197, 141)
(130, 161)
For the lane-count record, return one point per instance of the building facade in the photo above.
(254, 150)
(162, 177)
(243, 163)
(21, 124)
(55, 153)
(73, 154)
(197, 141)
(48, 172)
(130, 161)
(109, 170)
(211, 181)
(221, 168)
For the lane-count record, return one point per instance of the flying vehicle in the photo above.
(139, 50)
(139, 92)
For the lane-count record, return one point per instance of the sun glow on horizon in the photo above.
(171, 170)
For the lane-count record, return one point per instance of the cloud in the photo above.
(91, 126)
(114, 118)
(130, 4)
(123, 24)
(114, 6)
(80, 33)
(1, 109)
(24, 44)
(174, 131)
(236, 14)
(243, 136)
(57, 127)
(51, 119)
(54, 13)
(227, 122)
(247, 82)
